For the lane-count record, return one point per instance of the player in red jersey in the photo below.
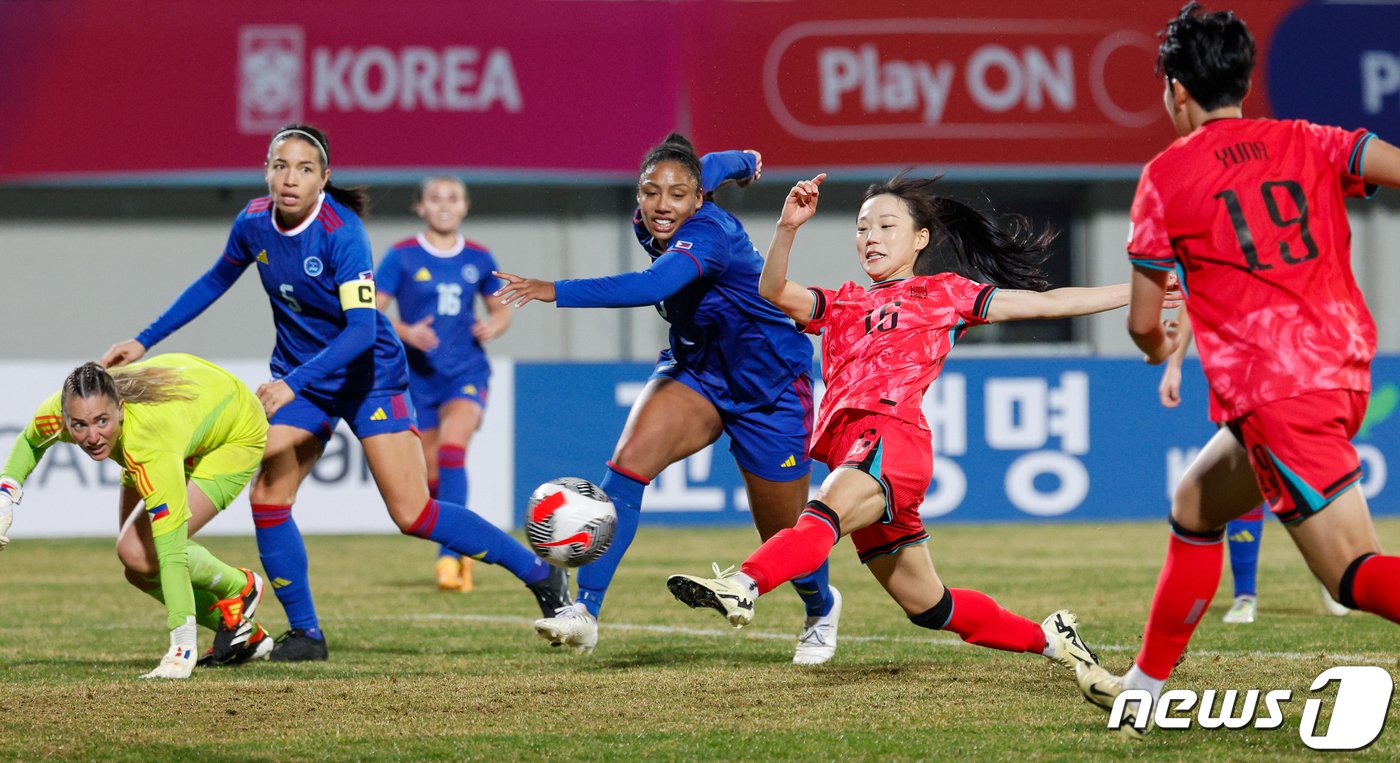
(1250, 215)
(1245, 533)
(882, 345)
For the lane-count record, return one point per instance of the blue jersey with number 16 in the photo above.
(428, 281)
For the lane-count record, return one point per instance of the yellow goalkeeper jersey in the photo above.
(161, 444)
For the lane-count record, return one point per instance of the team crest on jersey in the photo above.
(313, 266)
(262, 256)
(422, 275)
(470, 274)
(681, 245)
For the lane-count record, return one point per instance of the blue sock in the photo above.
(452, 483)
(283, 555)
(465, 532)
(595, 577)
(815, 590)
(1243, 535)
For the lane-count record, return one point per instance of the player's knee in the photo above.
(263, 493)
(414, 520)
(137, 564)
(937, 616)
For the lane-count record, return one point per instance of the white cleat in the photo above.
(1062, 636)
(1242, 611)
(720, 593)
(572, 626)
(177, 663)
(1101, 688)
(1331, 605)
(817, 644)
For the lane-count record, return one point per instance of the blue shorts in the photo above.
(367, 415)
(769, 441)
(434, 391)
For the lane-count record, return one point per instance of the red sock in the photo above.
(1185, 588)
(1374, 587)
(791, 553)
(979, 620)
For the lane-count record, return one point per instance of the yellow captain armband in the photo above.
(357, 293)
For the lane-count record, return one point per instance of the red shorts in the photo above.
(1301, 450)
(897, 454)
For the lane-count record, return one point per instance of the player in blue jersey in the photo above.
(735, 365)
(436, 277)
(336, 357)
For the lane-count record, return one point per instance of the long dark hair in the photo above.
(1009, 254)
(356, 198)
(673, 148)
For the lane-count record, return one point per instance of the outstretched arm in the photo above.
(1018, 305)
(667, 275)
(773, 285)
(193, 301)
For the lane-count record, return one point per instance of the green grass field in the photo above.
(416, 674)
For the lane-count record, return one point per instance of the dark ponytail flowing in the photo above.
(1009, 254)
(356, 198)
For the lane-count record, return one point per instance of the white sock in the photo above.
(747, 582)
(1136, 679)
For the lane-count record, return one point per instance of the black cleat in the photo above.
(296, 646)
(552, 593)
(257, 646)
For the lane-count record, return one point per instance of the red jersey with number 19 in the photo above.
(1250, 213)
(882, 346)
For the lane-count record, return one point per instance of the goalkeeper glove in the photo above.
(10, 493)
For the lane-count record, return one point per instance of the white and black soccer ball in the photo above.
(569, 521)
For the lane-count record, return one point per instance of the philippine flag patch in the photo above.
(366, 275)
(681, 245)
(158, 512)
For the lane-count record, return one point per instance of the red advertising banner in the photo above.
(1037, 88)
(169, 91)
(169, 88)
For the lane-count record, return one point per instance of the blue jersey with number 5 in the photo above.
(427, 281)
(312, 274)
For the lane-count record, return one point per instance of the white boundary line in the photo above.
(936, 641)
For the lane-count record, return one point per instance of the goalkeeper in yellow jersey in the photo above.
(189, 436)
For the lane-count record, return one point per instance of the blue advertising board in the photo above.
(1039, 439)
(1338, 64)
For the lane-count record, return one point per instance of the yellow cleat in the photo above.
(466, 585)
(449, 575)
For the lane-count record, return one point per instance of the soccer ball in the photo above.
(569, 521)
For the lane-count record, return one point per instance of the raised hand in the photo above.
(801, 202)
